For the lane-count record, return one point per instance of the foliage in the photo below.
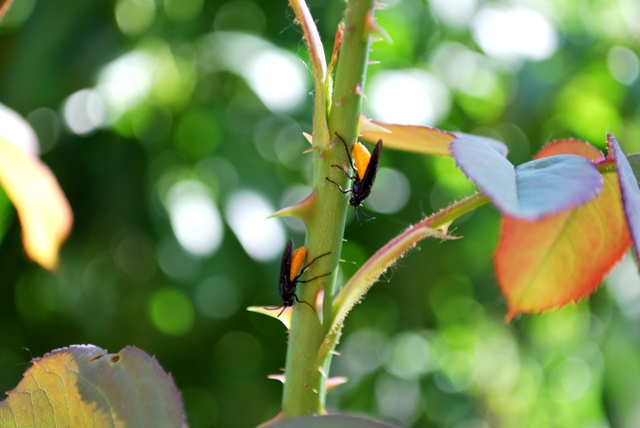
(185, 122)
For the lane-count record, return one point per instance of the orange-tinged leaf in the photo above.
(43, 210)
(561, 258)
(418, 139)
(83, 386)
(409, 138)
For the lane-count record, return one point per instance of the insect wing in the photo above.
(372, 168)
(285, 269)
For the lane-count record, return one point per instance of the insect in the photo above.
(289, 276)
(366, 168)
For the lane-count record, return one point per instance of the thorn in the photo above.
(303, 210)
(309, 137)
(376, 39)
(372, 62)
(367, 125)
(371, 26)
(334, 352)
(334, 382)
(360, 92)
(336, 47)
(311, 150)
(322, 372)
(285, 317)
(279, 377)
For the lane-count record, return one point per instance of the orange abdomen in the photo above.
(297, 258)
(361, 157)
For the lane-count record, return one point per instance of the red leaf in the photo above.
(561, 258)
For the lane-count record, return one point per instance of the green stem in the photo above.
(304, 388)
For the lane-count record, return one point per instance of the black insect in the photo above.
(289, 276)
(366, 168)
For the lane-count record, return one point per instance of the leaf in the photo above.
(532, 190)
(629, 190)
(332, 421)
(561, 258)
(84, 386)
(4, 6)
(43, 210)
(422, 139)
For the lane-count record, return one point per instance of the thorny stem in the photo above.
(305, 383)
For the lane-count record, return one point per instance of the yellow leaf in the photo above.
(43, 210)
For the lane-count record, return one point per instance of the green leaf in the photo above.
(84, 386)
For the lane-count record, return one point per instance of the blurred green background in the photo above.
(175, 127)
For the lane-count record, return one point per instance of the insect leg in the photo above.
(283, 308)
(303, 301)
(339, 186)
(345, 172)
(364, 214)
(347, 150)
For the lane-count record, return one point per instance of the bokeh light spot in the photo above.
(194, 218)
(171, 311)
(390, 193)
(457, 13)
(570, 380)
(262, 238)
(398, 398)
(411, 356)
(84, 111)
(134, 17)
(513, 34)
(362, 352)
(623, 64)
(126, 81)
(278, 79)
(410, 97)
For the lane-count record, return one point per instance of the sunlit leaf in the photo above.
(629, 190)
(531, 190)
(44, 212)
(84, 386)
(561, 258)
(422, 139)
